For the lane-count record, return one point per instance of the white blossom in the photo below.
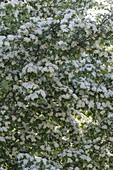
(56, 84)
(1, 39)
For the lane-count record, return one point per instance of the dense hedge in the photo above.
(56, 84)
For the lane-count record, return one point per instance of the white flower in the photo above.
(104, 127)
(51, 69)
(26, 39)
(6, 43)
(32, 68)
(71, 25)
(82, 25)
(14, 2)
(25, 161)
(32, 96)
(26, 168)
(63, 26)
(49, 20)
(94, 88)
(30, 85)
(87, 146)
(48, 148)
(2, 139)
(42, 147)
(96, 147)
(108, 153)
(83, 54)
(64, 20)
(2, 4)
(20, 155)
(1, 39)
(80, 104)
(29, 68)
(91, 104)
(69, 160)
(82, 85)
(44, 161)
(76, 168)
(111, 139)
(38, 31)
(84, 157)
(11, 37)
(88, 159)
(32, 138)
(75, 96)
(65, 96)
(15, 87)
(38, 159)
(90, 166)
(61, 42)
(32, 36)
(29, 8)
(42, 92)
(4, 129)
(56, 145)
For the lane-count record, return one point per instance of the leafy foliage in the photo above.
(56, 84)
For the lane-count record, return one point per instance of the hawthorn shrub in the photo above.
(56, 84)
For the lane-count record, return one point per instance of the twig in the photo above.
(90, 36)
(3, 100)
(104, 143)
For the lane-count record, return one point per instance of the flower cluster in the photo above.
(56, 84)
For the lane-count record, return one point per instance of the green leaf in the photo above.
(5, 85)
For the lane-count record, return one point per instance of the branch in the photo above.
(3, 100)
(106, 20)
(90, 36)
(104, 143)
